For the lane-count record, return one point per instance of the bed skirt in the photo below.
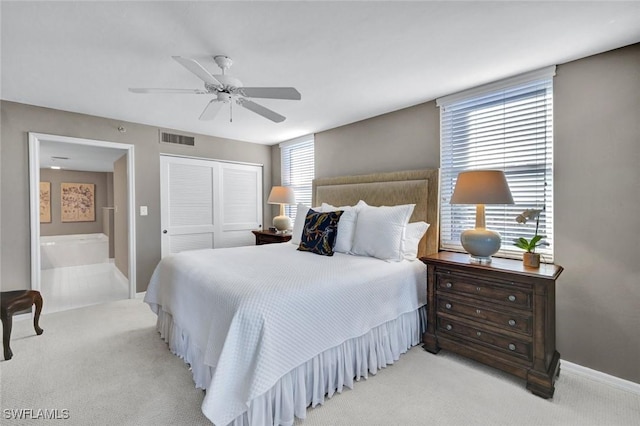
(310, 383)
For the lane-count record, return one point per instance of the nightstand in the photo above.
(501, 314)
(270, 237)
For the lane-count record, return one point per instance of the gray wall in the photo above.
(597, 208)
(19, 119)
(597, 197)
(56, 177)
(408, 139)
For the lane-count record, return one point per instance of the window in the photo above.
(506, 126)
(297, 162)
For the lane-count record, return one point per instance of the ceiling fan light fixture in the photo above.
(224, 97)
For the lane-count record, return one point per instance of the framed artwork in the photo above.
(45, 202)
(78, 203)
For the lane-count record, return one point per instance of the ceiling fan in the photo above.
(227, 89)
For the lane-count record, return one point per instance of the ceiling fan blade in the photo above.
(197, 69)
(179, 91)
(260, 110)
(271, 93)
(211, 110)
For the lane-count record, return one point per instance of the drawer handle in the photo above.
(512, 347)
(448, 285)
(448, 306)
(478, 288)
(478, 334)
(449, 327)
(478, 311)
(512, 322)
(512, 298)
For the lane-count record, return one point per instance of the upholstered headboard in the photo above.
(419, 187)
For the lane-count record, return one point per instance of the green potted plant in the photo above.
(530, 258)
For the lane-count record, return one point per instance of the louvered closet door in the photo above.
(187, 204)
(241, 204)
(208, 204)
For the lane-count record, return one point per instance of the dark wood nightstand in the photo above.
(270, 237)
(501, 314)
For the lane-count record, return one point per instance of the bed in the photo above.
(271, 330)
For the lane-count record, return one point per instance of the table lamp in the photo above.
(481, 187)
(282, 195)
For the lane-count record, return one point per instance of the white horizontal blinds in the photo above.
(509, 127)
(297, 162)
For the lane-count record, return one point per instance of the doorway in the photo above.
(69, 263)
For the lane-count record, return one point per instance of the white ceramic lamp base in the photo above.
(282, 223)
(481, 244)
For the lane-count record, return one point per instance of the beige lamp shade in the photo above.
(282, 195)
(481, 187)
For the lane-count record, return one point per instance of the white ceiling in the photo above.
(71, 156)
(350, 60)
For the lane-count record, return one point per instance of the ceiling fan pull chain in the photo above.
(230, 112)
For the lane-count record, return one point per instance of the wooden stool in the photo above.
(12, 302)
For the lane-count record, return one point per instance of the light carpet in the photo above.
(106, 365)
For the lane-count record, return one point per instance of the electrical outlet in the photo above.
(143, 211)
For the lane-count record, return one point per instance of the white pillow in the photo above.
(346, 227)
(380, 231)
(298, 224)
(413, 233)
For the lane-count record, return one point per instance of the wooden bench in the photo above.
(12, 302)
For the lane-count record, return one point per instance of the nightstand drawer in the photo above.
(502, 293)
(505, 320)
(498, 342)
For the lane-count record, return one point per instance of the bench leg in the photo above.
(37, 300)
(7, 323)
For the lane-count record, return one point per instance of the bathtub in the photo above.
(57, 251)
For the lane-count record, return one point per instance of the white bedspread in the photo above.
(258, 312)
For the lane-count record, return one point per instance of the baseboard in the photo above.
(600, 377)
(22, 317)
(140, 295)
(119, 274)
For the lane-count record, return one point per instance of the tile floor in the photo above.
(72, 287)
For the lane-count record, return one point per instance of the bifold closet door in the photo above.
(187, 204)
(240, 189)
(208, 204)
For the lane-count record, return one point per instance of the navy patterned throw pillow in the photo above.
(319, 232)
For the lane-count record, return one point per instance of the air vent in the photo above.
(177, 139)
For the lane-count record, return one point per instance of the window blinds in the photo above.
(298, 170)
(505, 126)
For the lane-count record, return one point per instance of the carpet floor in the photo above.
(106, 365)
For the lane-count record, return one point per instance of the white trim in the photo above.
(302, 139)
(497, 85)
(131, 181)
(600, 377)
(162, 154)
(34, 200)
(34, 207)
(141, 295)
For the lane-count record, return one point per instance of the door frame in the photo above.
(34, 200)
